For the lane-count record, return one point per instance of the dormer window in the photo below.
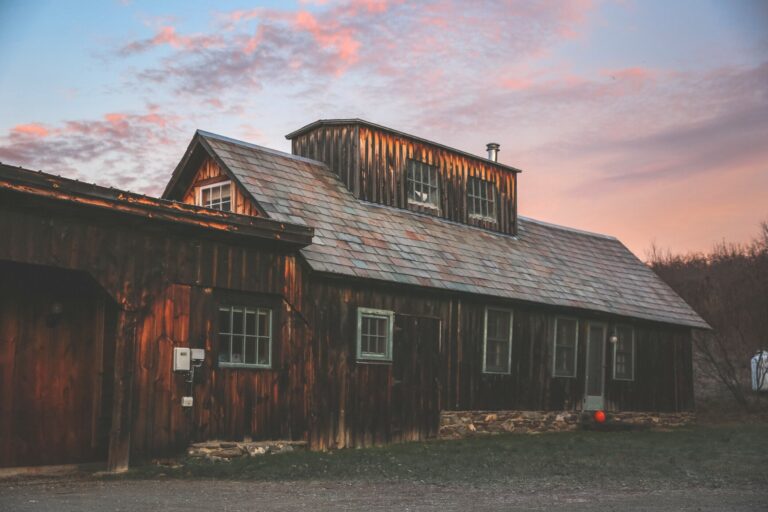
(481, 199)
(422, 184)
(217, 196)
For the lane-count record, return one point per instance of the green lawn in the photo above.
(700, 456)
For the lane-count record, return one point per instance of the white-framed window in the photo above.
(624, 353)
(565, 347)
(374, 334)
(422, 184)
(217, 196)
(481, 198)
(497, 341)
(245, 337)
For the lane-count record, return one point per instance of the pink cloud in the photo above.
(167, 36)
(396, 46)
(32, 129)
(127, 150)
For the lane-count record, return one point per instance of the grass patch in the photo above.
(700, 456)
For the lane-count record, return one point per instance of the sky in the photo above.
(646, 120)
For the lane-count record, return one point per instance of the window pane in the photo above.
(250, 322)
(224, 320)
(498, 324)
(237, 349)
(566, 332)
(265, 320)
(565, 347)
(237, 321)
(250, 350)
(263, 353)
(496, 356)
(224, 344)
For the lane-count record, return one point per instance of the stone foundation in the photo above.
(227, 450)
(458, 424)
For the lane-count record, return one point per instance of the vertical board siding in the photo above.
(54, 385)
(378, 171)
(209, 172)
(354, 402)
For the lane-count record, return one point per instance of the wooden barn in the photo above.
(348, 294)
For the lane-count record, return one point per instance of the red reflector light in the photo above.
(599, 416)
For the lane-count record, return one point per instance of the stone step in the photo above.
(227, 450)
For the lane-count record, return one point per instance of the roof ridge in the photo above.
(357, 120)
(567, 228)
(275, 152)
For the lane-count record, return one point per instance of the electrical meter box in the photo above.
(198, 354)
(182, 359)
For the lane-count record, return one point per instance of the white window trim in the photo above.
(368, 357)
(494, 192)
(409, 169)
(256, 366)
(633, 351)
(575, 350)
(199, 193)
(509, 340)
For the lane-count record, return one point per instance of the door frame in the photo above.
(595, 402)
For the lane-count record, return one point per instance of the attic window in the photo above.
(422, 184)
(481, 199)
(217, 196)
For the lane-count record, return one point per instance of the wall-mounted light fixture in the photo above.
(54, 314)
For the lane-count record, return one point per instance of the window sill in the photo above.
(366, 360)
(563, 376)
(482, 218)
(489, 372)
(425, 206)
(244, 366)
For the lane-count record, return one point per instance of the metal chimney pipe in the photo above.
(493, 151)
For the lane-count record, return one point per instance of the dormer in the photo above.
(386, 166)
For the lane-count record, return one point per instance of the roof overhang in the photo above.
(17, 180)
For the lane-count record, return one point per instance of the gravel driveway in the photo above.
(61, 495)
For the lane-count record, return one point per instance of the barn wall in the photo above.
(230, 403)
(55, 367)
(373, 164)
(167, 283)
(354, 401)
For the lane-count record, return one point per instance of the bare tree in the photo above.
(728, 287)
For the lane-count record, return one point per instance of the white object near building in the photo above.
(760, 371)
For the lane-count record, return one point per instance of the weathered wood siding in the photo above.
(356, 404)
(230, 403)
(55, 368)
(209, 173)
(165, 282)
(372, 163)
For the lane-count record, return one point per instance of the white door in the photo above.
(594, 398)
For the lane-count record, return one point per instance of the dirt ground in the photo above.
(61, 495)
